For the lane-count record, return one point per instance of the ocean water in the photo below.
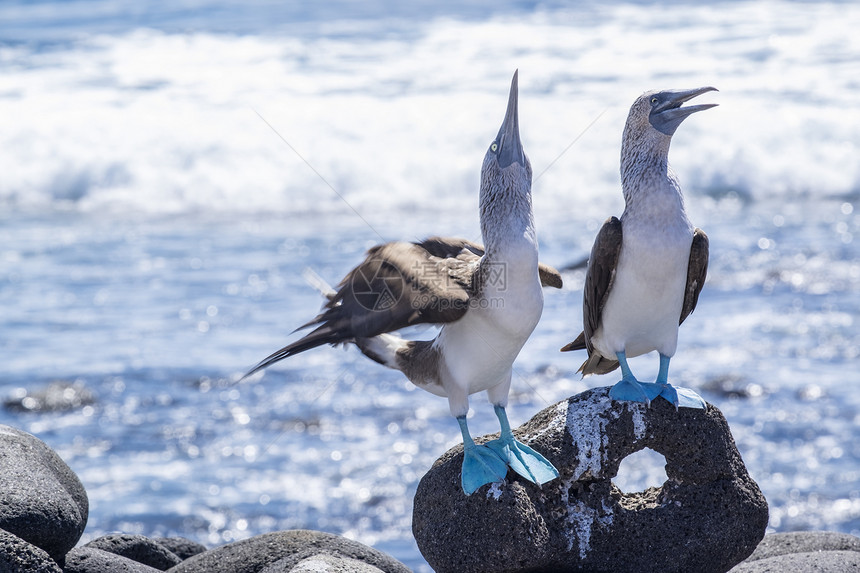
(167, 175)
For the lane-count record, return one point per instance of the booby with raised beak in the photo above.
(487, 299)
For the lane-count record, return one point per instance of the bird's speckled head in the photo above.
(506, 175)
(507, 147)
(506, 150)
(663, 111)
(652, 121)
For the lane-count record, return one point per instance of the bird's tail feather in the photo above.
(595, 363)
(334, 328)
(325, 334)
(325, 289)
(578, 344)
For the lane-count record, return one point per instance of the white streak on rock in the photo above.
(638, 420)
(495, 491)
(554, 426)
(582, 520)
(586, 423)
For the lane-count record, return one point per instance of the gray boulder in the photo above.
(804, 542)
(322, 564)
(180, 546)
(819, 562)
(18, 556)
(137, 548)
(41, 499)
(287, 549)
(707, 517)
(802, 552)
(92, 560)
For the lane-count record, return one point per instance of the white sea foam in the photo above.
(150, 121)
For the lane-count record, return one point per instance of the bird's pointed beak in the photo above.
(667, 114)
(510, 148)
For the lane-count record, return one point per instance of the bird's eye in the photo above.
(654, 99)
(494, 146)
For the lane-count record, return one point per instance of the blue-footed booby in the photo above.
(646, 269)
(487, 300)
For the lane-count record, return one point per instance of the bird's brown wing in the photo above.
(599, 278)
(448, 247)
(697, 271)
(549, 276)
(397, 285)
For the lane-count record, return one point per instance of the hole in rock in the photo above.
(641, 470)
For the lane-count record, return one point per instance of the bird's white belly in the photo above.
(479, 349)
(643, 308)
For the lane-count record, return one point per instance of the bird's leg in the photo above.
(519, 457)
(677, 396)
(481, 465)
(631, 389)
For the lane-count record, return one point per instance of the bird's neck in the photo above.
(650, 187)
(507, 220)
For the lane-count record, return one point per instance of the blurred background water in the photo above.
(167, 174)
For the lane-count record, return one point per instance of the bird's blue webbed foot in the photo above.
(629, 388)
(634, 391)
(520, 457)
(676, 395)
(682, 397)
(481, 465)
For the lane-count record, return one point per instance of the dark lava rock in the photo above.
(56, 397)
(137, 548)
(92, 560)
(41, 500)
(18, 556)
(288, 549)
(181, 547)
(707, 517)
(802, 552)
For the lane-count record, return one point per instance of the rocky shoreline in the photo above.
(708, 516)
